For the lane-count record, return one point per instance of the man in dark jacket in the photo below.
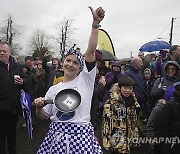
(10, 82)
(174, 54)
(168, 125)
(134, 71)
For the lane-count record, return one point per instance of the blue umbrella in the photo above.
(26, 107)
(155, 46)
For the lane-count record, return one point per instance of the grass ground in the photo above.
(25, 146)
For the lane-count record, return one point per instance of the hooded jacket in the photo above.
(30, 82)
(111, 78)
(157, 90)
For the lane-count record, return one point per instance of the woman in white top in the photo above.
(73, 133)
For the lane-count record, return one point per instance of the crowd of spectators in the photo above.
(151, 95)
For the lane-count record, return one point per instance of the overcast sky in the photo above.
(129, 23)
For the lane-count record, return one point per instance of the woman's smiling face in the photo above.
(71, 67)
(171, 70)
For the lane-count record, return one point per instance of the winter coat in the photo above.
(152, 120)
(119, 124)
(137, 77)
(30, 82)
(111, 78)
(168, 125)
(9, 92)
(157, 91)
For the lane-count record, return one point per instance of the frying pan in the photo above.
(66, 100)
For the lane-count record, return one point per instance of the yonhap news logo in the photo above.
(157, 140)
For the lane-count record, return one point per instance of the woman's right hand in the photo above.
(39, 102)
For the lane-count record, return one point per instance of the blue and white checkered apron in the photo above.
(70, 138)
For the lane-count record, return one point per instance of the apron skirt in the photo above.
(70, 138)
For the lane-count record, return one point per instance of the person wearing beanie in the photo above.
(30, 63)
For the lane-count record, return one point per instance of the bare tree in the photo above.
(39, 43)
(10, 32)
(63, 35)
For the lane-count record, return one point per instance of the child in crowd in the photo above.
(120, 118)
(149, 103)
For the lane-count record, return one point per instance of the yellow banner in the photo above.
(104, 42)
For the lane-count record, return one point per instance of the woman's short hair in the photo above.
(126, 81)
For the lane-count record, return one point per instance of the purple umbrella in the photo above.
(155, 46)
